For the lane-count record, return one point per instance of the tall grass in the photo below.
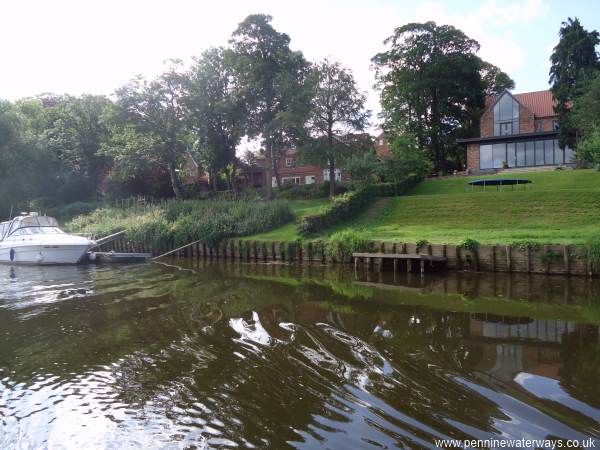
(178, 223)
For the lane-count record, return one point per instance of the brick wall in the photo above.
(526, 121)
(473, 156)
(486, 124)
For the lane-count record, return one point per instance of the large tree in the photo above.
(77, 128)
(275, 82)
(434, 86)
(574, 62)
(338, 109)
(216, 110)
(153, 123)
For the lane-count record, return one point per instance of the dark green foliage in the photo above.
(182, 222)
(337, 109)
(434, 85)
(276, 83)
(350, 204)
(574, 62)
(406, 158)
(421, 243)
(591, 252)
(342, 244)
(307, 191)
(469, 244)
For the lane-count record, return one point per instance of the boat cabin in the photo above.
(27, 225)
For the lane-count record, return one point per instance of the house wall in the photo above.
(473, 156)
(526, 120)
(382, 147)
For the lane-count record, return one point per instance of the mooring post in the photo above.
(422, 267)
(408, 265)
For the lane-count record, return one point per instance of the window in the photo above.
(510, 154)
(506, 116)
(498, 155)
(381, 141)
(290, 180)
(539, 153)
(559, 154)
(555, 125)
(289, 162)
(521, 154)
(569, 155)
(485, 157)
(539, 126)
(310, 179)
(549, 152)
(530, 154)
(338, 175)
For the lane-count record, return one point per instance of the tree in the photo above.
(433, 85)
(406, 158)
(338, 109)
(362, 167)
(154, 128)
(574, 61)
(77, 128)
(275, 82)
(215, 109)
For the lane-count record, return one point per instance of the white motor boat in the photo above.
(34, 239)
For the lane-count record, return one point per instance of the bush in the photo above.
(307, 191)
(346, 206)
(592, 252)
(76, 209)
(342, 244)
(179, 223)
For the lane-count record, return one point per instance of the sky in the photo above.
(96, 46)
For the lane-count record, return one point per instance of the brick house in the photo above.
(291, 171)
(517, 130)
(382, 147)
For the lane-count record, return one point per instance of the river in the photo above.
(223, 355)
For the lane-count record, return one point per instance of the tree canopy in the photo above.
(574, 61)
(433, 85)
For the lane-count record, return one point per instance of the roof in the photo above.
(541, 103)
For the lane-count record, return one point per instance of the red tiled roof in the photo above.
(541, 103)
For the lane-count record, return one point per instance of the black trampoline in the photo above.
(498, 182)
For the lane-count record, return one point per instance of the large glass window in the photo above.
(530, 152)
(510, 154)
(521, 154)
(485, 157)
(548, 152)
(499, 155)
(569, 155)
(506, 116)
(559, 156)
(539, 153)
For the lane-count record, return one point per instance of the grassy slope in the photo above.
(561, 207)
(288, 232)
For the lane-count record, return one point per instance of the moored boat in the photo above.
(34, 239)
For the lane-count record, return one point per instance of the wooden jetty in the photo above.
(410, 260)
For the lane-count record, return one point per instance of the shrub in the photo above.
(349, 204)
(342, 244)
(308, 191)
(179, 223)
(591, 251)
(421, 243)
(469, 244)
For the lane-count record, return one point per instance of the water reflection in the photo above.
(268, 356)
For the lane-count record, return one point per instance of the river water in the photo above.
(224, 355)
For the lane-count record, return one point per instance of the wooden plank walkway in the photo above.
(407, 258)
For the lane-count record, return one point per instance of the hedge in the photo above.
(348, 205)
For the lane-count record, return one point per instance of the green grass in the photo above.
(289, 232)
(561, 207)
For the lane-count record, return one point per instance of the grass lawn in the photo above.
(562, 207)
(289, 232)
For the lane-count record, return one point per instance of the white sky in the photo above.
(93, 46)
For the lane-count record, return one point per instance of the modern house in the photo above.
(517, 130)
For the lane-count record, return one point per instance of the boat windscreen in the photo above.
(32, 221)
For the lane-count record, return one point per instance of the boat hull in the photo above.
(42, 254)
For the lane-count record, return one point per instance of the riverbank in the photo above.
(560, 207)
